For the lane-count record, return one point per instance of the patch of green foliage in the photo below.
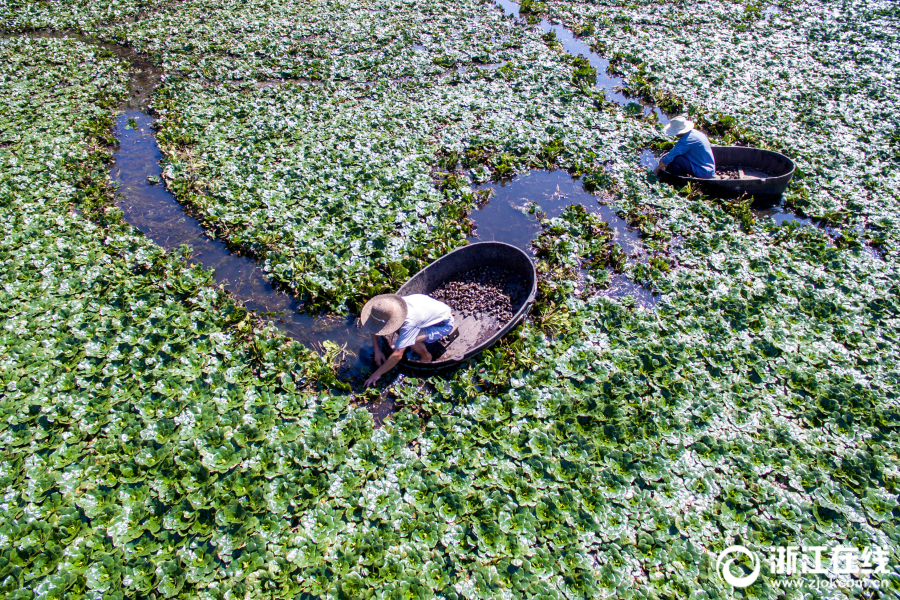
(157, 442)
(584, 73)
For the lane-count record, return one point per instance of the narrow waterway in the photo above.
(151, 208)
(611, 85)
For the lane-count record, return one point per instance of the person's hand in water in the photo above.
(659, 167)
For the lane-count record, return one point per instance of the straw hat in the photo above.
(383, 314)
(679, 125)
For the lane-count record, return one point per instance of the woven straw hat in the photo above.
(383, 314)
(679, 125)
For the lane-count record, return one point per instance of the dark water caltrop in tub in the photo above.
(154, 210)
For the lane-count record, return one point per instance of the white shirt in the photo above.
(421, 311)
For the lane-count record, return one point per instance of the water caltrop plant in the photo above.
(159, 440)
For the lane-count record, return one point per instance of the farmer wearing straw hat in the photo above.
(418, 319)
(692, 155)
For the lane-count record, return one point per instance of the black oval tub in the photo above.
(475, 334)
(765, 175)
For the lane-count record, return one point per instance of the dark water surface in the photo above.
(506, 218)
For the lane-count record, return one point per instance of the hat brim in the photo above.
(371, 325)
(672, 130)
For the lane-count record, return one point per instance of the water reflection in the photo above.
(506, 218)
(779, 214)
(649, 160)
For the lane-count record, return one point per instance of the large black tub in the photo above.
(763, 174)
(475, 332)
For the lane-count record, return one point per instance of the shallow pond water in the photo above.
(506, 218)
(779, 214)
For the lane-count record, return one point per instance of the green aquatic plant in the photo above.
(157, 441)
(584, 72)
(551, 150)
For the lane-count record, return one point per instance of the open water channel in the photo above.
(151, 208)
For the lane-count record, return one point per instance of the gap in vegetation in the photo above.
(510, 216)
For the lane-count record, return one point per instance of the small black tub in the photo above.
(475, 332)
(764, 174)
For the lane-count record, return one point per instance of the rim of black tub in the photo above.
(474, 333)
(764, 174)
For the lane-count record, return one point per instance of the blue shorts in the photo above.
(436, 332)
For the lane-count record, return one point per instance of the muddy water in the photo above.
(506, 218)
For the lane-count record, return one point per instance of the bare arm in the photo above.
(379, 355)
(389, 364)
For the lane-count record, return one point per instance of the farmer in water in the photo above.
(420, 320)
(692, 155)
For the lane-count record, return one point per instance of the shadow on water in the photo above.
(505, 218)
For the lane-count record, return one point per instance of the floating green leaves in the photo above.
(154, 442)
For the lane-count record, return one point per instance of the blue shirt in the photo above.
(696, 150)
